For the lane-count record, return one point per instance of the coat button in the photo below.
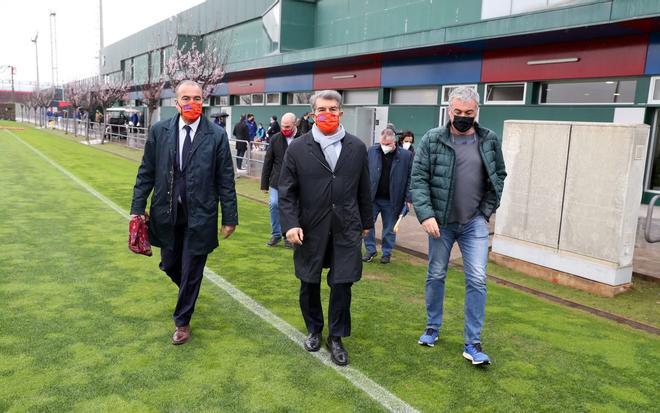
(333, 206)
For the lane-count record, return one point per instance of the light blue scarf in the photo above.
(328, 143)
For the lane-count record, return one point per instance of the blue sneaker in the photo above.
(475, 354)
(429, 337)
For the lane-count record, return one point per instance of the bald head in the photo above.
(188, 88)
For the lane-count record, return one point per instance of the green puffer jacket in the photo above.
(432, 181)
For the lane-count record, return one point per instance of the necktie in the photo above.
(187, 144)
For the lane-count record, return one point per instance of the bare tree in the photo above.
(151, 92)
(44, 97)
(76, 93)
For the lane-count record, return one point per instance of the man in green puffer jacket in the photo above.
(456, 183)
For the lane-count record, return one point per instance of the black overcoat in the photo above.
(270, 173)
(332, 208)
(209, 180)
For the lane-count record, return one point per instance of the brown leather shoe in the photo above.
(181, 335)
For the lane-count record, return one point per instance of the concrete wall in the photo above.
(571, 199)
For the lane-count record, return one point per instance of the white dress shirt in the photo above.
(182, 135)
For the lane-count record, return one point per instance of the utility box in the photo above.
(571, 200)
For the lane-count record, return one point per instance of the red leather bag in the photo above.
(138, 236)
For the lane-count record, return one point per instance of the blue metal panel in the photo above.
(653, 55)
(465, 68)
(289, 83)
(221, 89)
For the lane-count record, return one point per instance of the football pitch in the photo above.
(86, 324)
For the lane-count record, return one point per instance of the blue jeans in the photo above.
(276, 229)
(472, 239)
(384, 208)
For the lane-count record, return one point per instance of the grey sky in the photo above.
(77, 33)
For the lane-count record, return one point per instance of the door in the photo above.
(652, 183)
(365, 123)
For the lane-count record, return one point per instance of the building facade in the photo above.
(396, 61)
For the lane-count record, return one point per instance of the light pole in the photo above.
(100, 40)
(36, 55)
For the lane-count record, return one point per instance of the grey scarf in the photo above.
(328, 143)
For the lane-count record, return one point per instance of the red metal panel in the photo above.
(244, 86)
(603, 57)
(347, 77)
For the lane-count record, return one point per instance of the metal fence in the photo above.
(251, 159)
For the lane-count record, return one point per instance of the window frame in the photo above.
(582, 103)
(394, 89)
(655, 81)
(311, 93)
(505, 102)
(279, 98)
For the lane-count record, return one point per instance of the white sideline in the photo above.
(357, 378)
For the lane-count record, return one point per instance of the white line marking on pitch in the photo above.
(357, 378)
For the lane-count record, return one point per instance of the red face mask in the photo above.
(327, 122)
(191, 111)
(287, 133)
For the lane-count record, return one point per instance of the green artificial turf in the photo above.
(88, 323)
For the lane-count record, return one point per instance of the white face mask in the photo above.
(406, 145)
(386, 149)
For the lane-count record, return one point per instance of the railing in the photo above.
(93, 132)
(251, 160)
(649, 220)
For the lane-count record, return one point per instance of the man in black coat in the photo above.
(241, 133)
(270, 173)
(326, 210)
(187, 164)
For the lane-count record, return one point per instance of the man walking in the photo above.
(188, 166)
(389, 170)
(457, 180)
(240, 133)
(270, 173)
(325, 207)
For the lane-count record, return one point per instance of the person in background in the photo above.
(261, 132)
(407, 140)
(252, 127)
(456, 183)
(270, 173)
(306, 122)
(273, 128)
(134, 121)
(240, 133)
(389, 172)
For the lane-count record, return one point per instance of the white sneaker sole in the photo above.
(467, 356)
(427, 344)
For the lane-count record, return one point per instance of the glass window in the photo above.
(273, 98)
(414, 96)
(446, 91)
(221, 101)
(654, 92)
(298, 98)
(602, 91)
(499, 8)
(244, 100)
(156, 64)
(360, 97)
(505, 93)
(271, 24)
(257, 98)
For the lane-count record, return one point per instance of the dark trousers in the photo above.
(240, 153)
(339, 316)
(186, 271)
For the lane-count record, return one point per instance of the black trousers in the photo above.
(186, 271)
(240, 153)
(339, 317)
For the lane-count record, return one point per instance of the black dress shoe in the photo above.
(312, 342)
(368, 257)
(338, 353)
(385, 259)
(274, 241)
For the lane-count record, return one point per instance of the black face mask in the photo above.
(463, 123)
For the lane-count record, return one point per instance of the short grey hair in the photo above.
(186, 82)
(388, 134)
(289, 115)
(324, 94)
(464, 94)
